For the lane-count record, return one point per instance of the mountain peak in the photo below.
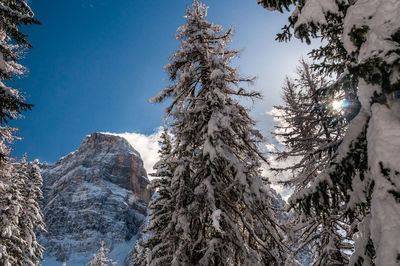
(99, 192)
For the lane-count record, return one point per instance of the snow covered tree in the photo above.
(31, 219)
(10, 207)
(100, 258)
(140, 255)
(13, 14)
(221, 213)
(20, 214)
(311, 129)
(362, 45)
(161, 207)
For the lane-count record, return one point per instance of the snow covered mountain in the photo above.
(98, 192)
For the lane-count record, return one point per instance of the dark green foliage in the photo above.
(279, 5)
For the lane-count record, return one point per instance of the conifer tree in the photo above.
(221, 213)
(19, 183)
(362, 45)
(161, 206)
(13, 14)
(311, 130)
(10, 207)
(21, 215)
(31, 219)
(140, 255)
(100, 258)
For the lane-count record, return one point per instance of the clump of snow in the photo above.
(216, 216)
(383, 151)
(315, 11)
(383, 20)
(216, 74)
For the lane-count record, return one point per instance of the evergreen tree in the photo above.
(161, 206)
(140, 255)
(100, 258)
(221, 213)
(311, 130)
(21, 215)
(13, 14)
(10, 207)
(362, 44)
(31, 219)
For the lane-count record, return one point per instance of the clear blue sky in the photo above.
(95, 64)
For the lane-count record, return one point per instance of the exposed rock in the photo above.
(98, 192)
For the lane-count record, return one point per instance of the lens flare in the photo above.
(337, 105)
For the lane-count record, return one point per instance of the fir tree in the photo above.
(31, 219)
(362, 46)
(140, 255)
(311, 130)
(10, 207)
(100, 258)
(221, 213)
(13, 14)
(161, 206)
(21, 215)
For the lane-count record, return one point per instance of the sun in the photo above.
(337, 105)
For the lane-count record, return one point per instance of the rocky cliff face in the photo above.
(98, 192)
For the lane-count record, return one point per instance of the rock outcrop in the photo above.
(98, 192)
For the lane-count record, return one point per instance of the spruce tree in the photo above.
(31, 220)
(362, 46)
(160, 207)
(21, 215)
(311, 130)
(221, 213)
(152, 242)
(10, 209)
(140, 255)
(13, 14)
(100, 258)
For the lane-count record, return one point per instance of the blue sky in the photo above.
(95, 64)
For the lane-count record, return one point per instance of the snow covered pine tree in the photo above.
(20, 214)
(139, 255)
(363, 46)
(19, 183)
(161, 207)
(12, 42)
(221, 213)
(311, 130)
(100, 258)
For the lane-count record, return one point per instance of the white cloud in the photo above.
(267, 171)
(274, 176)
(146, 145)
